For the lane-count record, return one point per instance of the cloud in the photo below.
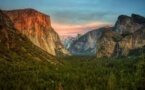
(73, 30)
(75, 17)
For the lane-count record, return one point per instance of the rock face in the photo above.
(128, 34)
(86, 44)
(15, 46)
(126, 25)
(67, 40)
(132, 41)
(7, 36)
(107, 43)
(37, 27)
(138, 19)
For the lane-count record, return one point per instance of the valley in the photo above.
(67, 51)
(74, 73)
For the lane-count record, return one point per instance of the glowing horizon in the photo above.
(73, 30)
(70, 17)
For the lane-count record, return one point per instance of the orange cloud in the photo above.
(73, 30)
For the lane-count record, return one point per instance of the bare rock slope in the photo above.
(127, 34)
(15, 46)
(37, 27)
(86, 44)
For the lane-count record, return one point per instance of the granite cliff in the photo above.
(107, 43)
(86, 44)
(128, 34)
(37, 27)
(16, 46)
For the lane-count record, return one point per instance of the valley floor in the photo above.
(74, 73)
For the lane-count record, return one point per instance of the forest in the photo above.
(74, 73)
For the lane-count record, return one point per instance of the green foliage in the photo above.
(25, 68)
(140, 75)
(112, 83)
(75, 73)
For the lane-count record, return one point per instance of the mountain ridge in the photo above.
(16, 46)
(37, 27)
(86, 44)
(129, 35)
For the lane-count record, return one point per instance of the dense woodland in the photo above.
(73, 73)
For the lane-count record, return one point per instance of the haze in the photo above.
(70, 17)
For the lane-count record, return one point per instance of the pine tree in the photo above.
(112, 85)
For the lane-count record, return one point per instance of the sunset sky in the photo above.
(70, 17)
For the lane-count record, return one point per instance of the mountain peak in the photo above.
(127, 34)
(15, 46)
(126, 25)
(138, 18)
(124, 18)
(37, 27)
(133, 15)
(5, 21)
(30, 11)
(86, 44)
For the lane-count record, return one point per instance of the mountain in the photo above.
(133, 41)
(67, 40)
(37, 27)
(126, 25)
(106, 43)
(128, 34)
(16, 46)
(86, 44)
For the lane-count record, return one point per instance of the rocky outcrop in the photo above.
(127, 35)
(37, 27)
(67, 40)
(107, 43)
(138, 19)
(132, 41)
(7, 34)
(126, 25)
(86, 44)
(15, 46)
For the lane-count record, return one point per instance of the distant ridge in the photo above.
(128, 34)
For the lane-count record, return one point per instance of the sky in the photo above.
(70, 17)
